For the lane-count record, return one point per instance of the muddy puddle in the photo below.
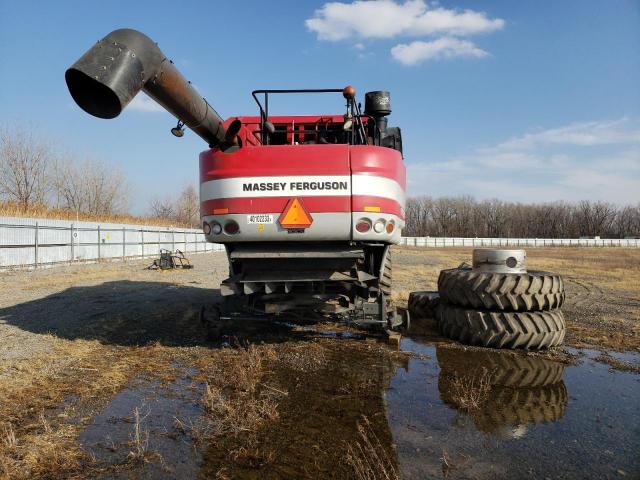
(142, 433)
(319, 388)
(483, 414)
(448, 412)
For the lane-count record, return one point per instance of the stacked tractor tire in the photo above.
(496, 303)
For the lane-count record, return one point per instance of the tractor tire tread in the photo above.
(525, 330)
(532, 291)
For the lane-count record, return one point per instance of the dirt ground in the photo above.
(75, 338)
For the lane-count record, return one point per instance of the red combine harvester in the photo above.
(306, 206)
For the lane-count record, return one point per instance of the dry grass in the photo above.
(9, 436)
(10, 209)
(470, 392)
(368, 457)
(139, 437)
(447, 465)
(236, 396)
(617, 364)
(36, 444)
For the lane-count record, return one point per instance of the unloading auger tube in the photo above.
(110, 74)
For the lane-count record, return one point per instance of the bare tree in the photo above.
(68, 185)
(163, 208)
(188, 207)
(90, 187)
(627, 222)
(23, 167)
(106, 189)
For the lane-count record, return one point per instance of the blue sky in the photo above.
(526, 100)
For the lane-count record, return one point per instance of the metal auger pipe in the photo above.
(110, 74)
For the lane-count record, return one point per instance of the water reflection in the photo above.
(501, 392)
(470, 413)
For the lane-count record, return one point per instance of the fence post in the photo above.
(35, 256)
(72, 248)
(142, 240)
(99, 240)
(173, 240)
(123, 243)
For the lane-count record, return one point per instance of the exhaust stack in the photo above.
(107, 77)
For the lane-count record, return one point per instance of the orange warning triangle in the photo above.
(295, 215)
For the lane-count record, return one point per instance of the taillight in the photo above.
(363, 225)
(206, 228)
(216, 228)
(231, 227)
(379, 226)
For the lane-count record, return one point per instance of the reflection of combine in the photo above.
(306, 206)
(520, 390)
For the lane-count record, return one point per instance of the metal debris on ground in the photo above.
(169, 260)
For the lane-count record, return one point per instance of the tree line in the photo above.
(184, 209)
(35, 175)
(466, 217)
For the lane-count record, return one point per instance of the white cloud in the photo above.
(578, 134)
(446, 47)
(142, 103)
(597, 160)
(387, 19)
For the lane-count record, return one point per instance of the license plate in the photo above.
(262, 218)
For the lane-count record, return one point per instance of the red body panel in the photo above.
(378, 161)
(275, 160)
(383, 165)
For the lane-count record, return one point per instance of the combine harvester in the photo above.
(306, 206)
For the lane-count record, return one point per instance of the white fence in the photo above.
(26, 242)
(519, 242)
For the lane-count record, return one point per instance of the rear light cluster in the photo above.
(364, 225)
(231, 227)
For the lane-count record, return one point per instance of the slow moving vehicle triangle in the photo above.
(295, 215)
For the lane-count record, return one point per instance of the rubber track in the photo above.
(527, 330)
(531, 291)
(505, 369)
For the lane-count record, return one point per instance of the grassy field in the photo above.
(74, 338)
